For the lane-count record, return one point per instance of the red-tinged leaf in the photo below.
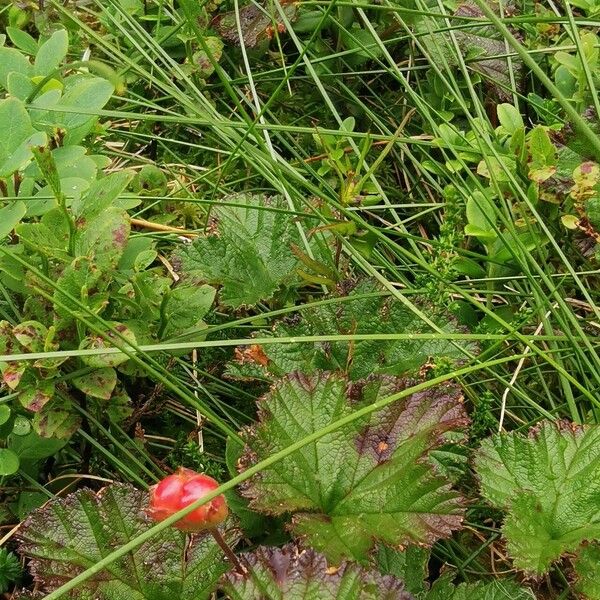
(369, 480)
(35, 397)
(292, 572)
(70, 534)
(31, 335)
(13, 373)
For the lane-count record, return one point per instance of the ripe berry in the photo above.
(179, 490)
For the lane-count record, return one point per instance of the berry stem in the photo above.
(235, 561)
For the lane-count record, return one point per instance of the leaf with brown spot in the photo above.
(57, 418)
(36, 396)
(370, 480)
(95, 341)
(100, 383)
(31, 335)
(104, 238)
(12, 373)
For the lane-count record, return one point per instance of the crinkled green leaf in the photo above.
(293, 573)
(409, 565)
(444, 589)
(250, 254)
(100, 383)
(587, 569)
(374, 314)
(69, 535)
(368, 481)
(549, 484)
(482, 47)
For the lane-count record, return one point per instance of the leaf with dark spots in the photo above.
(31, 335)
(35, 397)
(370, 480)
(104, 238)
(70, 534)
(83, 280)
(96, 342)
(293, 573)
(99, 383)
(56, 418)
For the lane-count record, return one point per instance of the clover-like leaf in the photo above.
(362, 309)
(549, 483)
(294, 573)
(68, 535)
(370, 480)
(250, 254)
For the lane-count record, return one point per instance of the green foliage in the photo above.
(157, 159)
(363, 308)
(10, 569)
(293, 572)
(250, 254)
(68, 535)
(444, 589)
(547, 482)
(587, 569)
(369, 480)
